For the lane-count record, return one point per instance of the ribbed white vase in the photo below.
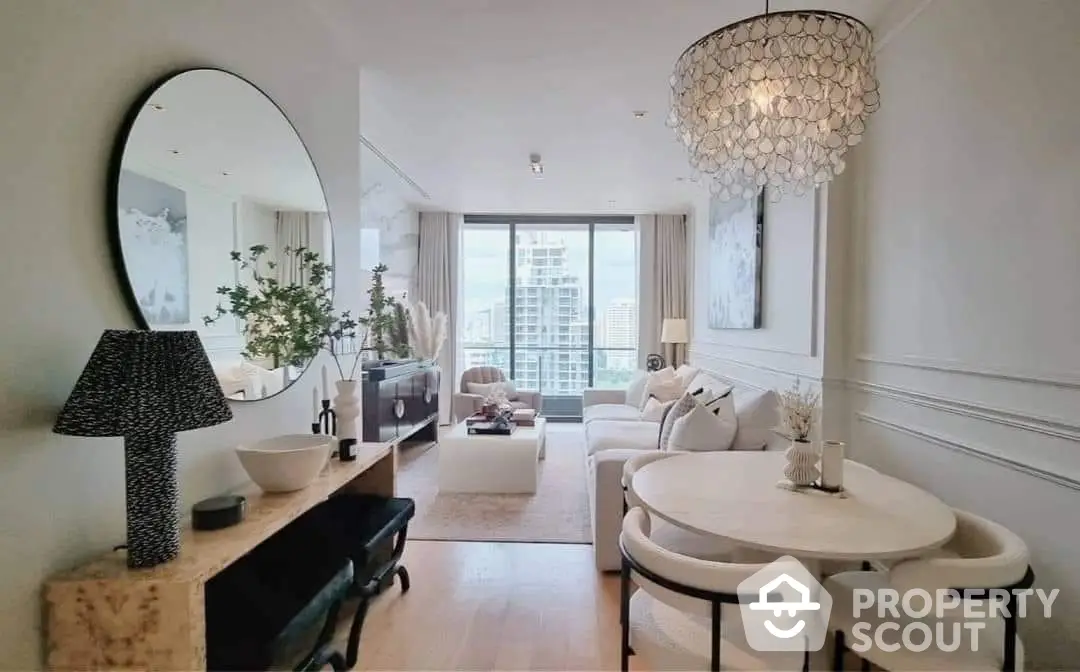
(347, 408)
(802, 463)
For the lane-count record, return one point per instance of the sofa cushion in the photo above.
(610, 412)
(758, 413)
(655, 409)
(601, 435)
(684, 405)
(704, 428)
(636, 392)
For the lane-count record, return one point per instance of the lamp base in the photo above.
(153, 499)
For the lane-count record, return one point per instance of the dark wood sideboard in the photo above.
(400, 401)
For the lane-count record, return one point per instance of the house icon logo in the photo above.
(784, 608)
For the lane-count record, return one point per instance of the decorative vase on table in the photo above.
(802, 461)
(347, 410)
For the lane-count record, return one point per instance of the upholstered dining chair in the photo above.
(981, 556)
(685, 613)
(465, 403)
(663, 533)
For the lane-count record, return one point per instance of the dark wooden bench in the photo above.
(262, 610)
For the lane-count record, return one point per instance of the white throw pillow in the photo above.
(654, 409)
(664, 389)
(635, 394)
(680, 408)
(703, 430)
(686, 374)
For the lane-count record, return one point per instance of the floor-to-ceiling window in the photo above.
(552, 301)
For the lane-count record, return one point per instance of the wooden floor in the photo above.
(495, 606)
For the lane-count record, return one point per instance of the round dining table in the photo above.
(736, 496)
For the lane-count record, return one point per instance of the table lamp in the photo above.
(145, 386)
(674, 332)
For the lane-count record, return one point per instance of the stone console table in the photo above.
(103, 615)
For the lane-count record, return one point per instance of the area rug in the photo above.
(557, 513)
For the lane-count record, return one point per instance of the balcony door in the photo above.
(559, 313)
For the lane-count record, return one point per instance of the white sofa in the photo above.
(615, 432)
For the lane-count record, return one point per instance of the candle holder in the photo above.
(832, 466)
(327, 420)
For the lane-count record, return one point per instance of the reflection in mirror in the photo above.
(222, 227)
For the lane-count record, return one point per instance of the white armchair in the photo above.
(466, 403)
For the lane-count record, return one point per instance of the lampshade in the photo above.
(674, 331)
(137, 381)
(774, 100)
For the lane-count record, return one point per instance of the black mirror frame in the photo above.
(112, 199)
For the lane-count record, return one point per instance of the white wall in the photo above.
(71, 69)
(386, 216)
(789, 344)
(965, 309)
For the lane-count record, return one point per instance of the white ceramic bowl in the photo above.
(285, 463)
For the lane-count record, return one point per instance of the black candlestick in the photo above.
(347, 450)
(316, 428)
(328, 419)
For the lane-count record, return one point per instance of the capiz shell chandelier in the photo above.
(774, 100)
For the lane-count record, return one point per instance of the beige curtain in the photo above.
(436, 286)
(294, 230)
(661, 283)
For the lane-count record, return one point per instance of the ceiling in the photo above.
(459, 93)
(215, 130)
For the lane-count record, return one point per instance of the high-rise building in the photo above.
(551, 326)
(620, 331)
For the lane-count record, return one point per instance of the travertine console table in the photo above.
(104, 616)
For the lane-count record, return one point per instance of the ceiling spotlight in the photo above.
(226, 173)
(158, 107)
(174, 152)
(640, 114)
(535, 166)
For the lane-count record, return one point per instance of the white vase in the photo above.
(802, 461)
(347, 409)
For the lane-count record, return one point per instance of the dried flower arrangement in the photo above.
(798, 412)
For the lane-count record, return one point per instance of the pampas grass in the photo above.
(427, 333)
(798, 412)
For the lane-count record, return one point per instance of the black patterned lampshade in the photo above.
(145, 386)
(136, 380)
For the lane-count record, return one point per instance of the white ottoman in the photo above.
(491, 463)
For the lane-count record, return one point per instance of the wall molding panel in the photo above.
(969, 450)
(1067, 380)
(1053, 427)
(716, 363)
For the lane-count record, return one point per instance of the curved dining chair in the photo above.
(685, 613)
(982, 555)
(664, 534)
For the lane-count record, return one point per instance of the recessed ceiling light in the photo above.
(535, 166)
(226, 173)
(680, 179)
(174, 152)
(156, 106)
(640, 114)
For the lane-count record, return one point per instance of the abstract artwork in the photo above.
(736, 231)
(154, 237)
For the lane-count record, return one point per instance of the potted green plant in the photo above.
(284, 322)
(386, 321)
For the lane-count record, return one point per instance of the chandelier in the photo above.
(774, 100)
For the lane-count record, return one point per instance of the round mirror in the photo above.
(220, 225)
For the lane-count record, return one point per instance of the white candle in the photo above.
(314, 404)
(325, 384)
(832, 465)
